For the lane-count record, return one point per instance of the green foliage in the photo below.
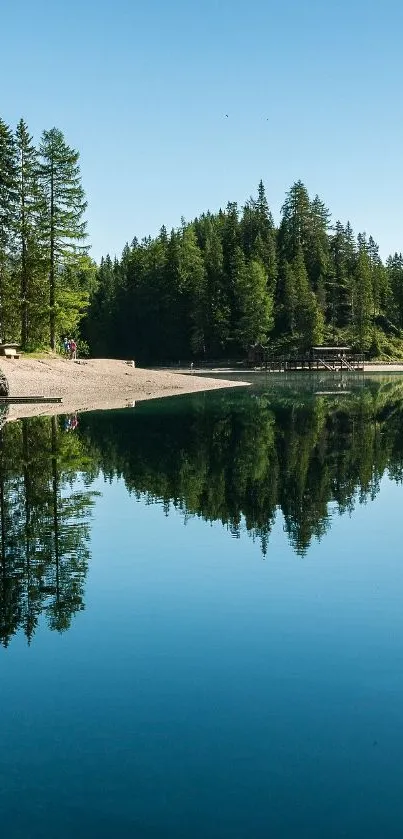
(8, 221)
(363, 300)
(61, 224)
(394, 268)
(226, 281)
(44, 531)
(255, 305)
(45, 277)
(238, 458)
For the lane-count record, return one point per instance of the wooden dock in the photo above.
(30, 400)
(286, 365)
(319, 359)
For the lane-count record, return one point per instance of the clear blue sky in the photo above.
(312, 90)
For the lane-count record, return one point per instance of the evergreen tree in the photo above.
(28, 249)
(317, 250)
(309, 318)
(8, 216)
(295, 225)
(286, 301)
(379, 279)
(62, 225)
(98, 323)
(217, 325)
(394, 267)
(363, 299)
(193, 287)
(338, 282)
(255, 305)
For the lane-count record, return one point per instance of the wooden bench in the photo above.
(10, 350)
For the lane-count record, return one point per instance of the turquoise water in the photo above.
(201, 616)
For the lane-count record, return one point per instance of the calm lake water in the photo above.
(201, 616)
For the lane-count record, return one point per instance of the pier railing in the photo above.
(277, 364)
(350, 363)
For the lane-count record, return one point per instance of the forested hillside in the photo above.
(211, 288)
(45, 273)
(231, 279)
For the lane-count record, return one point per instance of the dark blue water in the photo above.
(175, 664)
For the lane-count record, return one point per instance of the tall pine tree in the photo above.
(28, 248)
(64, 204)
(8, 218)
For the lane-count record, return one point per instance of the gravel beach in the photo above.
(92, 384)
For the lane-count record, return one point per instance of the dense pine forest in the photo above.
(212, 288)
(45, 272)
(232, 279)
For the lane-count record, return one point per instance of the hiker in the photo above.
(66, 346)
(73, 349)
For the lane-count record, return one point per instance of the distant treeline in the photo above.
(45, 274)
(213, 287)
(231, 279)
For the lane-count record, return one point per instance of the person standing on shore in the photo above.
(73, 349)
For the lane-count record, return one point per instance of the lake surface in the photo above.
(201, 616)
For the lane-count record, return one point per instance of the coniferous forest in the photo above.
(211, 288)
(232, 279)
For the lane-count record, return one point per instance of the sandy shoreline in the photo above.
(383, 368)
(94, 384)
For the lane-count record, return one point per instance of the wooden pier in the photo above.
(330, 359)
(28, 400)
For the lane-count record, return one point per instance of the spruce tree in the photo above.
(309, 318)
(28, 249)
(62, 225)
(193, 289)
(379, 278)
(8, 218)
(255, 305)
(286, 301)
(338, 281)
(317, 250)
(295, 225)
(394, 267)
(351, 262)
(217, 324)
(363, 299)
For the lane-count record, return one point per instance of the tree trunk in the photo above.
(52, 266)
(24, 277)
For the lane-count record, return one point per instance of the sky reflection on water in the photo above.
(193, 689)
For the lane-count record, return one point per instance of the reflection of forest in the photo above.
(237, 457)
(44, 527)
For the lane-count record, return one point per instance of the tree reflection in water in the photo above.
(45, 528)
(235, 457)
(238, 457)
